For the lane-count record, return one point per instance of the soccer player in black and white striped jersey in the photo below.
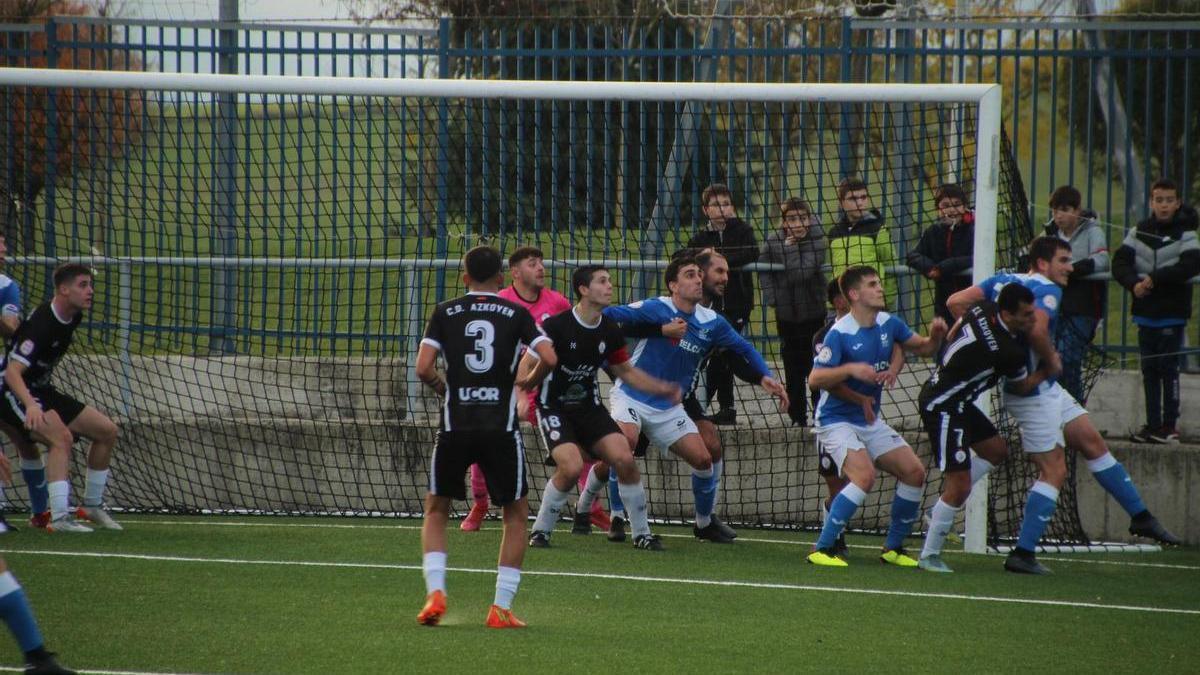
(984, 346)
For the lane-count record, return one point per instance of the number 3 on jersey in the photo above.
(484, 334)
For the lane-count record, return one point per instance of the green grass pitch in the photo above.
(275, 595)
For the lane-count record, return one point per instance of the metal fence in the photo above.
(1105, 106)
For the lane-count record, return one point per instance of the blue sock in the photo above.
(704, 489)
(1039, 511)
(615, 506)
(14, 609)
(906, 506)
(1112, 476)
(840, 512)
(34, 472)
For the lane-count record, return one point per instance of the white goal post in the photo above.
(987, 97)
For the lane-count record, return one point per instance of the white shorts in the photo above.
(1041, 418)
(835, 440)
(662, 427)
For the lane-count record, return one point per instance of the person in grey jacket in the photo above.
(1083, 301)
(798, 295)
(1155, 263)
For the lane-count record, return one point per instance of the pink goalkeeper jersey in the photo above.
(549, 302)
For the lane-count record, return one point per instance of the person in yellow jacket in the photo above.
(860, 237)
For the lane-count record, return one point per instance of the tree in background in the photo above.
(87, 128)
(1161, 97)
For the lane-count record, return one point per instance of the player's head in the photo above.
(797, 217)
(1015, 303)
(1051, 258)
(862, 287)
(714, 272)
(527, 269)
(717, 202)
(684, 280)
(73, 282)
(951, 203)
(1164, 199)
(594, 284)
(1065, 205)
(854, 198)
(833, 294)
(483, 266)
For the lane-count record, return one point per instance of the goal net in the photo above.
(268, 249)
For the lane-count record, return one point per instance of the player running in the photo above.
(571, 418)
(479, 335)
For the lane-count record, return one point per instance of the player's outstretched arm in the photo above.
(532, 370)
(889, 377)
(426, 369)
(643, 381)
(774, 388)
(928, 346)
(960, 301)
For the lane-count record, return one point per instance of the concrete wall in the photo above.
(321, 435)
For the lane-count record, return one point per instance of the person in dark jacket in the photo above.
(1082, 300)
(947, 247)
(1155, 262)
(734, 239)
(798, 295)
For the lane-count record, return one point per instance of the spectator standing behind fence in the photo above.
(734, 239)
(1082, 300)
(798, 295)
(1155, 262)
(860, 237)
(945, 253)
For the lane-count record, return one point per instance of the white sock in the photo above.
(552, 503)
(718, 470)
(591, 490)
(93, 491)
(58, 491)
(507, 581)
(434, 567)
(634, 497)
(941, 519)
(980, 467)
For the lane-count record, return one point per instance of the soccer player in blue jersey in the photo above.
(667, 424)
(857, 351)
(33, 467)
(1050, 419)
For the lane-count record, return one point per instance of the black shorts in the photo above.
(582, 426)
(500, 454)
(12, 411)
(951, 435)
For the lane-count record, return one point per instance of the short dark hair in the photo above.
(522, 253)
(833, 291)
(794, 204)
(1065, 196)
(705, 258)
(853, 277)
(482, 263)
(673, 268)
(949, 191)
(849, 185)
(715, 190)
(1044, 248)
(1012, 296)
(69, 272)
(1165, 184)
(583, 277)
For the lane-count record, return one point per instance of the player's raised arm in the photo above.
(960, 301)
(927, 346)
